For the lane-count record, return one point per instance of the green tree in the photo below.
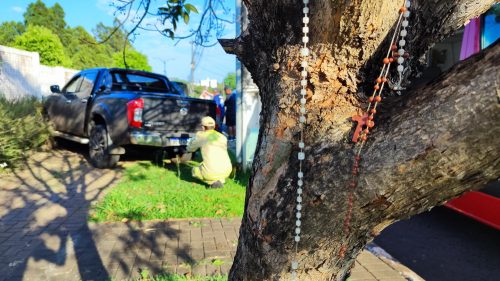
(81, 49)
(230, 80)
(9, 30)
(89, 58)
(40, 39)
(52, 18)
(135, 60)
(84, 51)
(115, 40)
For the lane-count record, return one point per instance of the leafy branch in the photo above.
(169, 16)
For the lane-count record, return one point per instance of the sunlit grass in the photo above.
(149, 192)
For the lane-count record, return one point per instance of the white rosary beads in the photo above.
(304, 53)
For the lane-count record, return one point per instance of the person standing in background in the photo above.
(230, 113)
(220, 110)
(206, 95)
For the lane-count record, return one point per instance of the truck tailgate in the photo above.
(174, 113)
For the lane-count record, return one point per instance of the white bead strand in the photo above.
(304, 53)
(402, 42)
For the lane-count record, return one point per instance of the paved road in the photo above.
(442, 245)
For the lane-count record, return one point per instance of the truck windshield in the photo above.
(124, 81)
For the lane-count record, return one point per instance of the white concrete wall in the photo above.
(53, 75)
(21, 74)
(248, 105)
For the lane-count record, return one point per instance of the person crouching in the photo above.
(216, 165)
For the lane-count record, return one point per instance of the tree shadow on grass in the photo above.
(183, 171)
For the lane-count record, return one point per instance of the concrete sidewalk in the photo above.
(186, 247)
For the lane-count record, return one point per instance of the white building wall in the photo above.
(21, 74)
(248, 105)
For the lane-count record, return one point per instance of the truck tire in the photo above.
(99, 143)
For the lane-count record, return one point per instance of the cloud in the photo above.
(103, 4)
(17, 9)
(106, 6)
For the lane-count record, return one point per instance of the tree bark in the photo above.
(428, 146)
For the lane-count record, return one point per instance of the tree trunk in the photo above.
(430, 145)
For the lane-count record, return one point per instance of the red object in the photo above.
(134, 112)
(479, 206)
(361, 120)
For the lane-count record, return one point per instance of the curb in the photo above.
(380, 253)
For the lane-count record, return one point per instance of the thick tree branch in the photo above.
(436, 143)
(421, 153)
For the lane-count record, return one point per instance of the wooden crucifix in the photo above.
(362, 121)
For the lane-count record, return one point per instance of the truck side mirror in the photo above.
(55, 89)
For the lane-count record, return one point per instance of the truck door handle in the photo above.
(84, 100)
(68, 101)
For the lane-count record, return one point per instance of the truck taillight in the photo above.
(134, 112)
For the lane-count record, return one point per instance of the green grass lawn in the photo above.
(149, 192)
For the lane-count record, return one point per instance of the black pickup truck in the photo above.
(112, 108)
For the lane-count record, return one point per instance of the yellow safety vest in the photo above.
(216, 162)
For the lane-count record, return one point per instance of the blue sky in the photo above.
(214, 63)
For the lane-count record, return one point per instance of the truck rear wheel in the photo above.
(99, 144)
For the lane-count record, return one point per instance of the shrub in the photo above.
(22, 129)
(45, 42)
(135, 60)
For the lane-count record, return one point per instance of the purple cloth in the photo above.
(471, 39)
